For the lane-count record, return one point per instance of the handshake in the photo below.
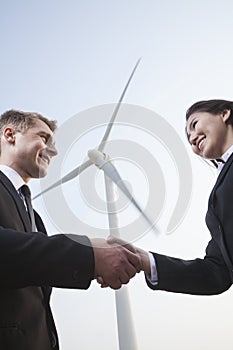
(117, 261)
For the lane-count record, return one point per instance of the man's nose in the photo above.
(51, 149)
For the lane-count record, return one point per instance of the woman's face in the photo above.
(209, 135)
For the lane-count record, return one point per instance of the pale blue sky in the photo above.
(61, 57)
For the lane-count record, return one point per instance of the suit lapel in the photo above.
(222, 175)
(18, 201)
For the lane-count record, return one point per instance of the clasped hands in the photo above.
(117, 261)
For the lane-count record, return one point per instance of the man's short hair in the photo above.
(22, 121)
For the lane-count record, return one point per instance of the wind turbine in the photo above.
(127, 340)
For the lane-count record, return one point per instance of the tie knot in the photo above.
(25, 190)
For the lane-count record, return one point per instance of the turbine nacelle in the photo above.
(103, 162)
(98, 158)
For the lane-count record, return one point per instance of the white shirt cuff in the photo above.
(153, 278)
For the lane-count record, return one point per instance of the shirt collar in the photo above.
(221, 162)
(227, 154)
(13, 176)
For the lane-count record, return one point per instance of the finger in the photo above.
(113, 239)
(101, 281)
(111, 280)
(119, 241)
(124, 277)
(130, 270)
(116, 284)
(127, 271)
(134, 260)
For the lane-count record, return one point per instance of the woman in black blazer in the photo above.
(209, 128)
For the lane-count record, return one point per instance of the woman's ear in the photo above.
(9, 135)
(226, 114)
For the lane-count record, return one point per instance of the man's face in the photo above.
(32, 151)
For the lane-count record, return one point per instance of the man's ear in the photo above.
(9, 135)
(226, 114)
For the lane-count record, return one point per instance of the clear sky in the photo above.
(62, 57)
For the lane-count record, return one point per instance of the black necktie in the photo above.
(220, 160)
(27, 195)
(220, 164)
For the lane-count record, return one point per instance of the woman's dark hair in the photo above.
(211, 106)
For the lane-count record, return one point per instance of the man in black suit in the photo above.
(209, 130)
(30, 261)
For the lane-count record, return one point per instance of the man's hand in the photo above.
(114, 263)
(142, 254)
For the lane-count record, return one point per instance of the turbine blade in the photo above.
(71, 175)
(110, 170)
(110, 124)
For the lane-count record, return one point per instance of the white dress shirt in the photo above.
(13, 176)
(15, 179)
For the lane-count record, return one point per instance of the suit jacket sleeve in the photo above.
(34, 259)
(199, 276)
